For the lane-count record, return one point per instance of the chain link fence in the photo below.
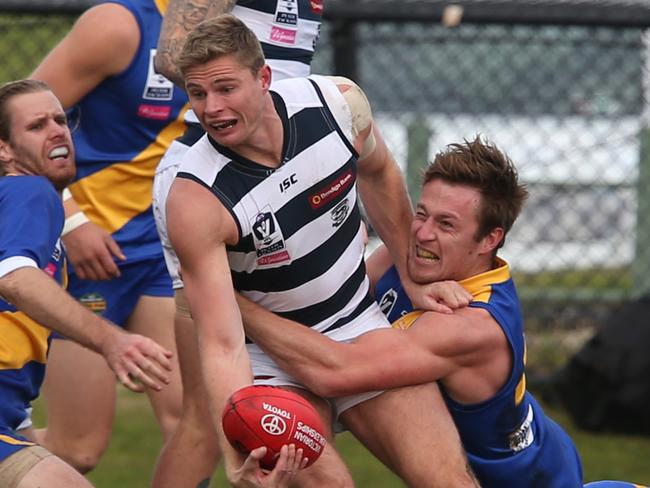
(564, 98)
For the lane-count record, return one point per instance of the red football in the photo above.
(268, 416)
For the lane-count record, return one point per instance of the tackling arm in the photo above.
(436, 347)
(180, 18)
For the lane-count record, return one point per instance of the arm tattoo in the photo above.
(180, 18)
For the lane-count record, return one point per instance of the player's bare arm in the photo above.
(451, 348)
(199, 228)
(131, 357)
(102, 43)
(180, 18)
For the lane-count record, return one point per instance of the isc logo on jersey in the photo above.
(268, 238)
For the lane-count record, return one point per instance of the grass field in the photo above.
(130, 458)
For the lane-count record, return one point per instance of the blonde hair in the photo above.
(221, 36)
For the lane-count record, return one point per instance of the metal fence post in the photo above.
(419, 134)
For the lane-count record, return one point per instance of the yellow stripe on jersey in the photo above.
(405, 321)
(161, 5)
(116, 194)
(480, 286)
(21, 340)
(15, 442)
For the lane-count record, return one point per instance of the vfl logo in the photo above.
(340, 212)
(388, 301)
(269, 243)
(264, 227)
(273, 424)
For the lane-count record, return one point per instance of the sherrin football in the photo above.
(269, 416)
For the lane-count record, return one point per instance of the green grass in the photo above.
(129, 461)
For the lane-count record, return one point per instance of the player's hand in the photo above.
(90, 249)
(440, 296)
(137, 361)
(250, 474)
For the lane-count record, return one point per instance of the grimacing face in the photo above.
(228, 99)
(443, 243)
(40, 142)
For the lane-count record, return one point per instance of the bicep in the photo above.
(198, 234)
(102, 43)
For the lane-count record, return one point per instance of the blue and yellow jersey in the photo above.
(125, 125)
(31, 219)
(508, 438)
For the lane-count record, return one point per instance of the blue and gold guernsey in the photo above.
(508, 438)
(125, 125)
(31, 219)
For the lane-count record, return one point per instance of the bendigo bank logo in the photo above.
(332, 190)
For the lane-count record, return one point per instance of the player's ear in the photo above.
(6, 156)
(492, 240)
(265, 76)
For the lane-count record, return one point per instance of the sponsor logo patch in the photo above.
(523, 437)
(284, 36)
(157, 87)
(331, 191)
(94, 302)
(387, 302)
(340, 212)
(155, 112)
(317, 6)
(268, 239)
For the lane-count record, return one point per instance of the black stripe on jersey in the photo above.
(316, 263)
(222, 198)
(364, 305)
(193, 132)
(299, 139)
(287, 53)
(332, 120)
(318, 312)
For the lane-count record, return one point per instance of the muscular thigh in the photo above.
(21, 458)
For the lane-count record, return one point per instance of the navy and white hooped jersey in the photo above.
(508, 439)
(300, 251)
(31, 220)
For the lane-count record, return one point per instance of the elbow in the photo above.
(9, 287)
(327, 383)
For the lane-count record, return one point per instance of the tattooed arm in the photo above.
(180, 18)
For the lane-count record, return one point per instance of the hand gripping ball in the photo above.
(269, 416)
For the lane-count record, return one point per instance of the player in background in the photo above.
(288, 32)
(36, 163)
(266, 204)
(127, 115)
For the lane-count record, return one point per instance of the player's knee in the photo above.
(168, 422)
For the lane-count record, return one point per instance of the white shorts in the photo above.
(162, 182)
(267, 372)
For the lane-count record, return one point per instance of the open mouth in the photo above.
(424, 254)
(228, 124)
(59, 153)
